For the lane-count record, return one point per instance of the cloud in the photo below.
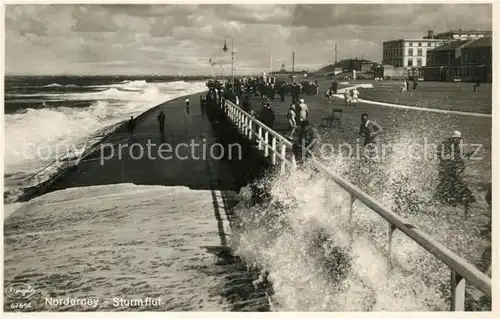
(181, 38)
(398, 16)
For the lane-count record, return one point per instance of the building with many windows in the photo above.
(461, 60)
(412, 53)
(408, 53)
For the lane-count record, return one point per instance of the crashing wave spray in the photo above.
(320, 257)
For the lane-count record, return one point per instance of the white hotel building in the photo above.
(408, 53)
(412, 53)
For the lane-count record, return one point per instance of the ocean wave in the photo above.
(60, 85)
(35, 137)
(321, 256)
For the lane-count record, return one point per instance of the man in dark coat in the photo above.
(369, 130)
(246, 103)
(452, 188)
(131, 126)
(335, 86)
(306, 143)
(267, 115)
(161, 122)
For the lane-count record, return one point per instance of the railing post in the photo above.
(283, 158)
(352, 199)
(351, 208)
(250, 128)
(392, 228)
(266, 144)
(273, 158)
(245, 125)
(294, 162)
(457, 292)
(259, 136)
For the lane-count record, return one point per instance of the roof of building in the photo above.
(416, 40)
(450, 46)
(459, 31)
(480, 43)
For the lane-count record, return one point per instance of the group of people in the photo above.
(301, 133)
(405, 85)
(451, 189)
(304, 137)
(267, 88)
(351, 97)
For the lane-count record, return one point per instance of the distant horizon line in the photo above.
(148, 75)
(151, 75)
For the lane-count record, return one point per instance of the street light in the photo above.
(212, 64)
(232, 55)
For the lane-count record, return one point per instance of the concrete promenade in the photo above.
(194, 228)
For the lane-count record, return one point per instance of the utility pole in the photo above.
(271, 70)
(334, 64)
(335, 52)
(293, 63)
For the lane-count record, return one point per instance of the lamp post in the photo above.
(232, 55)
(212, 64)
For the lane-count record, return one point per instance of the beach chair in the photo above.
(333, 121)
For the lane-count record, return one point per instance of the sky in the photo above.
(163, 39)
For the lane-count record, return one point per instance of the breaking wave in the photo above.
(53, 130)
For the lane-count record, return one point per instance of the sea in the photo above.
(48, 117)
(317, 253)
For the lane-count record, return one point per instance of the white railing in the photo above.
(268, 141)
(461, 270)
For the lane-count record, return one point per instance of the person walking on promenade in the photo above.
(404, 87)
(203, 102)
(282, 91)
(188, 111)
(452, 189)
(369, 130)
(246, 103)
(355, 95)
(161, 123)
(347, 97)
(304, 111)
(415, 84)
(292, 123)
(267, 115)
(335, 86)
(329, 95)
(306, 143)
(131, 126)
(295, 92)
(476, 86)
